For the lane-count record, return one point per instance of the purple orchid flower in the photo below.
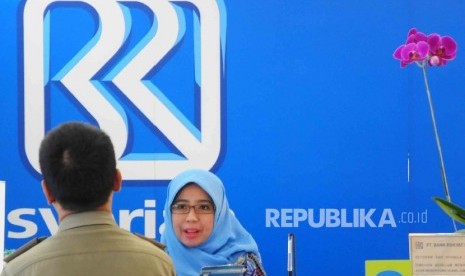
(441, 49)
(434, 49)
(415, 36)
(411, 52)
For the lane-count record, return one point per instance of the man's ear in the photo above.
(48, 195)
(117, 183)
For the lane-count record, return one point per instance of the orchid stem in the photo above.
(438, 142)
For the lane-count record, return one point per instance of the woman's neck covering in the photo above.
(227, 240)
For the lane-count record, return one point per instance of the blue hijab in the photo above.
(228, 239)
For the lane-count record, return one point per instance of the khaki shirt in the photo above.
(91, 244)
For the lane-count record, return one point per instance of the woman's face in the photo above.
(194, 227)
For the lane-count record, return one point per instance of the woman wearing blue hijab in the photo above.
(200, 229)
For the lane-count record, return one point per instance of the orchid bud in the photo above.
(434, 61)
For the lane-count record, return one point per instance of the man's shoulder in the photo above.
(124, 248)
(23, 249)
(151, 241)
(151, 246)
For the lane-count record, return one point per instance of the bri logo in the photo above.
(106, 72)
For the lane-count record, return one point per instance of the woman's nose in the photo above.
(192, 216)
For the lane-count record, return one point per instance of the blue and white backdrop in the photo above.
(298, 106)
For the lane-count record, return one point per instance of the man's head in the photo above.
(78, 166)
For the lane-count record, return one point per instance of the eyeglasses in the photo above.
(202, 208)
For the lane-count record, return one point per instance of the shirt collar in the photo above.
(86, 218)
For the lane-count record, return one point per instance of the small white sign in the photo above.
(437, 254)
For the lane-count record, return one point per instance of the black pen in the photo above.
(290, 255)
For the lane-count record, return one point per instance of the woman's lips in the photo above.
(191, 233)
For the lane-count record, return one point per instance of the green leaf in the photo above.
(454, 211)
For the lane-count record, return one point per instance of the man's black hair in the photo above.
(78, 165)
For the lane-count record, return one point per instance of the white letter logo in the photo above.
(199, 147)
